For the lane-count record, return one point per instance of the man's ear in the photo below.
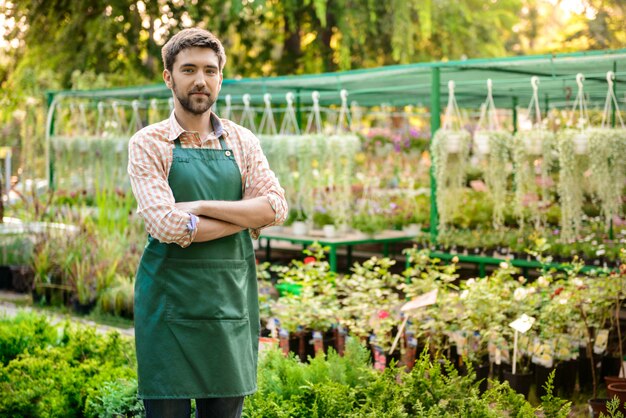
(167, 77)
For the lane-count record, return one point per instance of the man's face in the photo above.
(195, 79)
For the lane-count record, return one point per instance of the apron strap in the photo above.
(177, 143)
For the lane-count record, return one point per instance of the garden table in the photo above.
(346, 240)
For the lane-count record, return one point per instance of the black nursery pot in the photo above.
(565, 377)
(519, 382)
(6, 278)
(541, 377)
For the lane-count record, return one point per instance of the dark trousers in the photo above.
(205, 408)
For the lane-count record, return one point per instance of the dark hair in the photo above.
(189, 38)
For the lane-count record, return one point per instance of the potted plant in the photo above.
(369, 301)
(313, 307)
(497, 170)
(571, 186)
(450, 156)
(531, 192)
(607, 169)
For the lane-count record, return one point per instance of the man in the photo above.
(203, 186)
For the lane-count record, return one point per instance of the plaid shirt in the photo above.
(149, 161)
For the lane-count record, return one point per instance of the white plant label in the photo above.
(523, 323)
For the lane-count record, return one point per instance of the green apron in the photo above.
(196, 308)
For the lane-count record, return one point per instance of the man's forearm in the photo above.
(211, 229)
(247, 213)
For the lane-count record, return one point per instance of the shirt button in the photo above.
(227, 153)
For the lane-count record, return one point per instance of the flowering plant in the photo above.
(315, 305)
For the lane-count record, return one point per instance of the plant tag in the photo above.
(421, 301)
(602, 340)
(523, 323)
(543, 354)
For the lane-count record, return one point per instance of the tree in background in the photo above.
(57, 44)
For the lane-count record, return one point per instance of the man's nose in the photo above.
(199, 79)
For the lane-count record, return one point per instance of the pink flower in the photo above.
(383, 314)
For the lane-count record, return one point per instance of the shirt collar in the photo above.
(176, 130)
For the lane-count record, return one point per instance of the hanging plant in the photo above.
(492, 146)
(497, 168)
(572, 167)
(607, 169)
(450, 154)
(533, 156)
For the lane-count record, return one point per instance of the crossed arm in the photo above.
(219, 218)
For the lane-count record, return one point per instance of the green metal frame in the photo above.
(415, 84)
(333, 244)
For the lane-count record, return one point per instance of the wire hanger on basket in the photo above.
(228, 108)
(289, 125)
(356, 115)
(344, 114)
(452, 110)
(534, 103)
(267, 125)
(580, 105)
(247, 115)
(611, 102)
(488, 111)
(314, 116)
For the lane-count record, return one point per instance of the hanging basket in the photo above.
(453, 142)
(481, 143)
(534, 145)
(581, 143)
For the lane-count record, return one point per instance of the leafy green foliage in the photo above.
(57, 370)
(23, 333)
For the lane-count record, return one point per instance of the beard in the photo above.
(196, 105)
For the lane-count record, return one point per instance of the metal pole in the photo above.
(435, 122)
(49, 153)
(614, 92)
(613, 120)
(299, 109)
(514, 104)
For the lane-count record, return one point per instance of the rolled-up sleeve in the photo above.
(148, 172)
(260, 176)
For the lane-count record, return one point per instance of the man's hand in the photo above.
(257, 190)
(194, 207)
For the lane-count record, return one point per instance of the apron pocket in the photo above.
(212, 359)
(206, 289)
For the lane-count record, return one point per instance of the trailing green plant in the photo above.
(314, 170)
(497, 171)
(449, 170)
(532, 150)
(571, 186)
(607, 167)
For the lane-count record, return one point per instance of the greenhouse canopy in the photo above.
(413, 84)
